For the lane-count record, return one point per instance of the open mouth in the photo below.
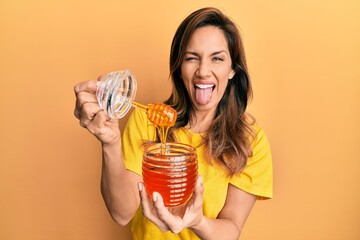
(203, 92)
(205, 86)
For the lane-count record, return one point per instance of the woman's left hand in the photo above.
(177, 218)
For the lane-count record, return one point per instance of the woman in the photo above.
(211, 89)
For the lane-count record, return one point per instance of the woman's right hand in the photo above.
(91, 115)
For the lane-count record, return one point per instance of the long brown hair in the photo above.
(228, 139)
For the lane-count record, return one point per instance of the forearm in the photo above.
(209, 229)
(118, 188)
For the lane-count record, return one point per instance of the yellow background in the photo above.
(304, 61)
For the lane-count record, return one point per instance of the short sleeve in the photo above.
(257, 177)
(137, 130)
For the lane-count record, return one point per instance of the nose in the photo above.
(203, 70)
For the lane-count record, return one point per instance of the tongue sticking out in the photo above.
(203, 95)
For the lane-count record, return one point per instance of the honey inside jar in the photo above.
(171, 170)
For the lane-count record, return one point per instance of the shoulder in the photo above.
(261, 151)
(256, 178)
(138, 120)
(139, 127)
(137, 115)
(260, 140)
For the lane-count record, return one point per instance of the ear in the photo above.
(231, 74)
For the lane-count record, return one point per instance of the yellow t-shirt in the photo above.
(256, 178)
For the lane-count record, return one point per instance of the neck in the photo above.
(201, 121)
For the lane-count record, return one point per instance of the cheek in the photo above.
(185, 70)
(224, 74)
(186, 74)
(223, 80)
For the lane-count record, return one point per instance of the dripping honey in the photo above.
(160, 114)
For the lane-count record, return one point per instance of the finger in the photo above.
(194, 211)
(81, 98)
(148, 210)
(85, 92)
(174, 223)
(198, 192)
(146, 207)
(87, 86)
(97, 125)
(162, 211)
(88, 112)
(101, 77)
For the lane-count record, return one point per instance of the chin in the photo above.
(206, 107)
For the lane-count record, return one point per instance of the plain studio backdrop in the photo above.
(303, 58)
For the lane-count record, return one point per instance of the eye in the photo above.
(189, 59)
(218, 59)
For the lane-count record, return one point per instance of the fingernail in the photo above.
(200, 180)
(154, 196)
(140, 186)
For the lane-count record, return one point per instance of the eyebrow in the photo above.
(212, 54)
